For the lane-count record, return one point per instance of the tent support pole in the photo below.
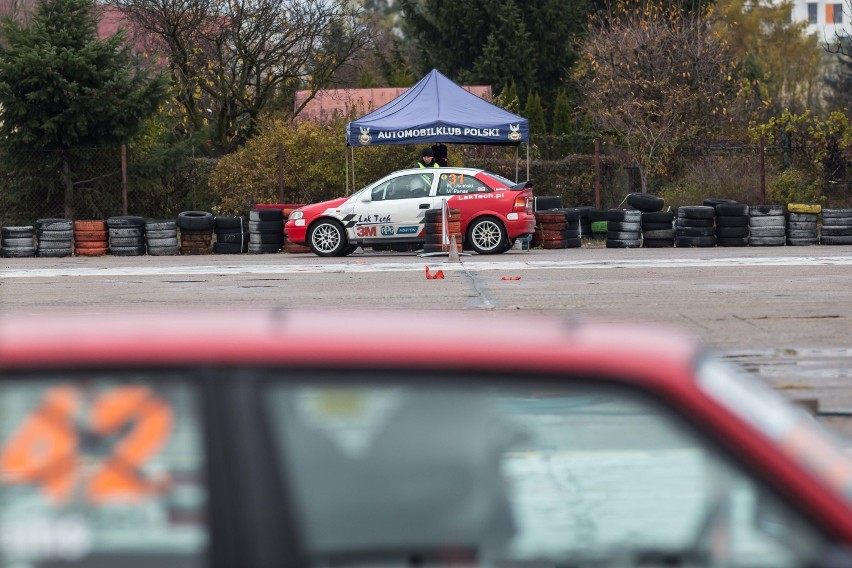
(346, 155)
(516, 164)
(352, 150)
(528, 161)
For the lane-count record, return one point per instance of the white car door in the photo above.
(395, 208)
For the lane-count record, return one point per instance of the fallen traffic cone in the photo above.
(438, 275)
(511, 278)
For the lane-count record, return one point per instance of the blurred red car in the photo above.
(494, 212)
(304, 440)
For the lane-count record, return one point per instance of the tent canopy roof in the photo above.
(437, 110)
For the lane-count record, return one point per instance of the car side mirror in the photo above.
(368, 197)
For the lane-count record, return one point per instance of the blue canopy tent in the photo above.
(437, 110)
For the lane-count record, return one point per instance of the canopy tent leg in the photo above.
(528, 161)
(516, 164)
(352, 150)
(346, 155)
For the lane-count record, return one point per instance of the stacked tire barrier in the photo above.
(161, 237)
(91, 238)
(802, 224)
(434, 227)
(732, 224)
(547, 202)
(577, 225)
(658, 229)
(232, 235)
(18, 242)
(55, 237)
(266, 231)
(126, 235)
(694, 226)
(767, 226)
(624, 228)
(836, 227)
(196, 232)
(551, 230)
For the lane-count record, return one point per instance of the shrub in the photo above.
(792, 186)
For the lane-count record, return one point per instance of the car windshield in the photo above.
(403, 475)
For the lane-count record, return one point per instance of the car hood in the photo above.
(317, 208)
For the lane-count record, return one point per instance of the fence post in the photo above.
(763, 169)
(124, 179)
(597, 174)
(280, 173)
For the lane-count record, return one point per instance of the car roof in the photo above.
(498, 341)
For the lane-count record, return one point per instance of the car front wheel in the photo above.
(327, 238)
(487, 235)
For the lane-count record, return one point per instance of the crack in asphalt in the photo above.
(484, 298)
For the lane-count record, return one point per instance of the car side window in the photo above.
(457, 183)
(536, 473)
(104, 468)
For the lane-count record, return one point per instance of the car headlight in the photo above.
(295, 215)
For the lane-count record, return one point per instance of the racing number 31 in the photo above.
(44, 450)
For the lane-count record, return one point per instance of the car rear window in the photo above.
(101, 470)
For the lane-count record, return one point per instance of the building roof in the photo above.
(329, 102)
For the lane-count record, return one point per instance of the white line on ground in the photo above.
(361, 267)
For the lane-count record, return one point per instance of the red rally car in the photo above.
(261, 439)
(494, 212)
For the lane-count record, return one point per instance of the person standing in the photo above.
(427, 159)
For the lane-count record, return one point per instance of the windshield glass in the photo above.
(799, 435)
(492, 476)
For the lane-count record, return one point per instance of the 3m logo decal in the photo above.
(364, 231)
(45, 450)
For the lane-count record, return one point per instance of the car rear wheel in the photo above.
(327, 238)
(487, 235)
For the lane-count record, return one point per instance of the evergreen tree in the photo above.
(535, 114)
(562, 120)
(508, 98)
(62, 88)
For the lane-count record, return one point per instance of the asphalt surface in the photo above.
(784, 313)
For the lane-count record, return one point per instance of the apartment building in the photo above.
(825, 17)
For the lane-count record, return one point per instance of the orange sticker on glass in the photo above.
(44, 451)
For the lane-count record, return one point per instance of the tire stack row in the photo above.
(836, 227)
(126, 235)
(767, 226)
(658, 229)
(694, 226)
(196, 232)
(266, 231)
(434, 227)
(624, 228)
(55, 237)
(732, 224)
(17, 242)
(232, 235)
(91, 238)
(161, 237)
(802, 224)
(551, 230)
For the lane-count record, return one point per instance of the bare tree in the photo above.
(655, 77)
(17, 10)
(232, 60)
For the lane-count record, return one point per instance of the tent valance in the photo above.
(437, 110)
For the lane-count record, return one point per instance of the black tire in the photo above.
(731, 210)
(802, 242)
(127, 241)
(162, 243)
(657, 226)
(658, 217)
(731, 241)
(645, 202)
(731, 232)
(622, 235)
(770, 232)
(631, 243)
(161, 234)
(126, 232)
(767, 221)
(19, 252)
(624, 215)
(55, 224)
(766, 241)
(229, 248)
(327, 237)
(662, 234)
(349, 250)
(802, 234)
(266, 238)
(18, 242)
(830, 213)
(714, 202)
(28, 231)
(547, 202)
(658, 243)
(266, 227)
(830, 231)
(486, 235)
(263, 249)
(732, 221)
(124, 221)
(695, 232)
(696, 212)
(597, 215)
(623, 226)
(802, 217)
(195, 220)
(688, 242)
(54, 252)
(127, 251)
(228, 222)
(571, 243)
(266, 215)
(837, 222)
(693, 223)
(831, 240)
(233, 237)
